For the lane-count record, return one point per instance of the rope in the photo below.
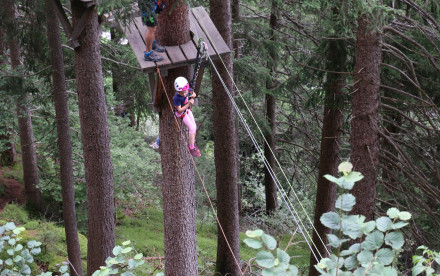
(200, 177)
(269, 169)
(261, 154)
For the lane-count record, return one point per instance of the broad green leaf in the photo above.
(112, 261)
(10, 226)
(345, 202)
(344, 273)
(383, 224)
(12, 241)
(10, 251)
(131, 264)
(254, 234)
(36, 251)
(389, 271)
(347, 185)
(394, 239)
(138, 256)
(18, 258)
(345, 167)
(385, 256)
(437, 260)
(365, 257)
(350, 262)
(2, 230)
(353, 177)
(399, 225)
(253, 243)
(9, 261)
(333, 179)
(125, 243)
(265, 259)
(269, 241)
(126, 250)
(373, 241)
(283, 257)
(37, 243)
(128, 273)
(16, 231)
(334, 241)
(404, 215)
(331, 220)
(367, 227)
(351, 227)
(117, 250)
(26, 270)
(31, 244)
(19, 247)
(293, 270)
(267, 272)
(63, 268)
(393, 213)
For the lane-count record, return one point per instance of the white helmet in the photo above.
(181, 84)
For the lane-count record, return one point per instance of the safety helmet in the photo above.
(181, 84)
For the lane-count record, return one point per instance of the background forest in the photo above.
(316, 83)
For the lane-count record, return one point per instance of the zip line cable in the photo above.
(269, 169)
(200, 177)
(261, 155)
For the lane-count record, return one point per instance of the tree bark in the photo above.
(225, 150)
(29, 157)
(64, 142)
(178, 185)
(365, 113)
(269, 146)
(330, 139)
(95, 140)
(9, 156)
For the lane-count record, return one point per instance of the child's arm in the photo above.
(185, 107)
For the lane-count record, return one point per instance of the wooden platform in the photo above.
(175, 56)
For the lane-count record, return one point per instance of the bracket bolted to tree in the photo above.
(74, 32)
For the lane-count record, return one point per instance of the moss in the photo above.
(16, 172)
(32, 225)
(16, 213)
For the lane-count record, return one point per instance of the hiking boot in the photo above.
(158, 48)
(195, 151)
(152, 57)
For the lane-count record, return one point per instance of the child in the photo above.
(182, 104)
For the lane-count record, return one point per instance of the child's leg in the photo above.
(189, 121)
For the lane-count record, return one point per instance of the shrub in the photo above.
(16, 213)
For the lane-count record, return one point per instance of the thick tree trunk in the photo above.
(330, 139)
(225, 150)
(9, 156)
(365, 113)
(64, 143)
(29, 158)
(269, 146)
(178, 185)
(95, 140)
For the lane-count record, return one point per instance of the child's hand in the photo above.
(193, 95)
(191, 101)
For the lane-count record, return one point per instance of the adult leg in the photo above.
(149, 38)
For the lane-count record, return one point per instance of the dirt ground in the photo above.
(13, 190)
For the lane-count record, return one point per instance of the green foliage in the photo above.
(271, 265)
(16, 213)
(125, 260)
(16, 172)
(428, 262)
(19, 254)
(374, 244)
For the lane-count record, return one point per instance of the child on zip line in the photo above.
(183, 101)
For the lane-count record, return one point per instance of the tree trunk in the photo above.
(365, 113)
(330, 140)
(225, 150)
(9, 156)
(269, 146)
(178, 185)
(95, 140)
(29, 158)
(64, 143)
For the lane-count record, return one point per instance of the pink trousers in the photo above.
(189, 121)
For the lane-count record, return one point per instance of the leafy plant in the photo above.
(272, 266)
(123, 262)
(426, 262)
(374, 243)
(19, 255)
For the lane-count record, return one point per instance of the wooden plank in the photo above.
(198, 31)
(203, 19)
(190, 51)
(176, 55)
